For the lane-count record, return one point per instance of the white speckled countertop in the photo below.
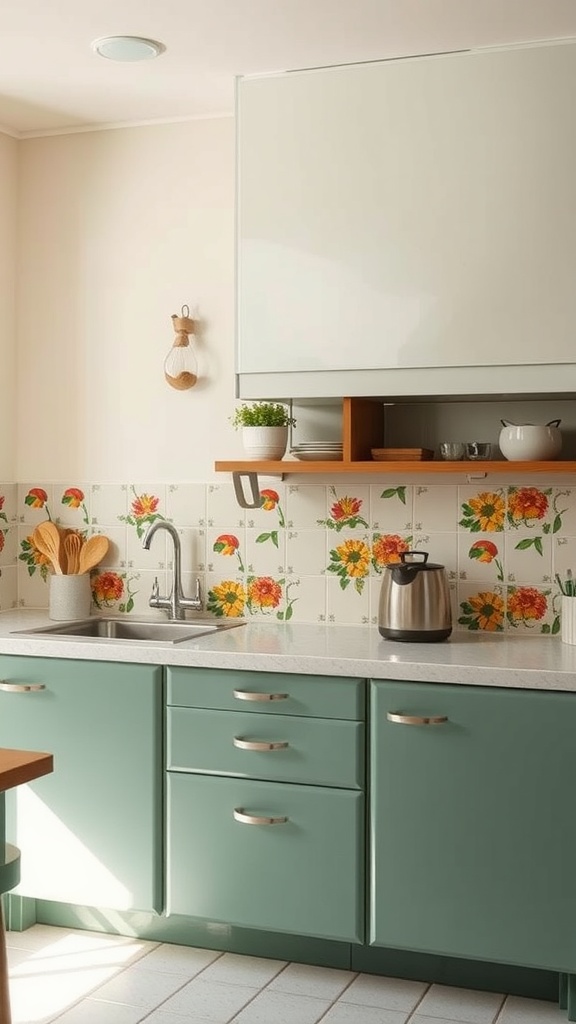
(532, 662)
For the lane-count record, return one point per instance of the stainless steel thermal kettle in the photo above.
(415, 600)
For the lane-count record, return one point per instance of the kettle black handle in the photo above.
(404, 555)
(554, 423)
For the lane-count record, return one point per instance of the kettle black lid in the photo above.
(410, 566)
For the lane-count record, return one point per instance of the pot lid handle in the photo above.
(554, 423)
(407, 557)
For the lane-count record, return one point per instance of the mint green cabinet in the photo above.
(90, 833)
(298, 870)
(265, 801)
(473, 831)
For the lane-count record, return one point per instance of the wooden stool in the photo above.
(16, 768)
(9, 878)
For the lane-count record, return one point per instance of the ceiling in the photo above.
(51, 81)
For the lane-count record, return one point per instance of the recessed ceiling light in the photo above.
(127, 48)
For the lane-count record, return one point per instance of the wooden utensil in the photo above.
(92, 552)
(50, 536)
(72, 548)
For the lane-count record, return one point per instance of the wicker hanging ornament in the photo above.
(180, 366)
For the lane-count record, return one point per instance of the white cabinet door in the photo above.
(409, 214)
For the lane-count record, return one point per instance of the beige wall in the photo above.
(118, 229)
(8, 204)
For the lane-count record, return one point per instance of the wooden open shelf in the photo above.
(469, 467)
(362, 431)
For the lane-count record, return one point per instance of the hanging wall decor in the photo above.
(180, 366)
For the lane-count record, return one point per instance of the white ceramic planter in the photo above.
(265, 442)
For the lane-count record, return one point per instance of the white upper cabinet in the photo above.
(409, 226)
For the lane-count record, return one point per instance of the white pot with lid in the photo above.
(529, 442)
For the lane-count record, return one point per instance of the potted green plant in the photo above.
(264, 427)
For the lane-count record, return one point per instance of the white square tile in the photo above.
(345, 604)
(460, 1004)
(530, 610)
(138, 987)
(272, 513)
(265, 552)
(482, 508)
(225, 595)
(71, 504)
(89, 1011)
(307, 980)
(34, 503)
(481, 607)
(528, 557)
(146, 505)
(518, 1010)
(235, 969)
(305, 598)
(391, 507)
(161, 1017)
(417, 1019)
(186, 504)
(436, 508)
(305, 552)
(222, 509)
(386, 549)
(387, 993)
(107, 503)
(529, 507)
(349, 1013)
(226, 550)
(216, 1001)
(116, 556)
(481, 557)
(305, 505)
(347, 508)
(276, 1007)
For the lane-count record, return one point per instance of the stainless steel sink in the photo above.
(127, 629)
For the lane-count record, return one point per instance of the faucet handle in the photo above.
(155, 595)
(198, 591)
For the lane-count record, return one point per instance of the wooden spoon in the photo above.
(92, 552)
(72, 547)
(50, 536)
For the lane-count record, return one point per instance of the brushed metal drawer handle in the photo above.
(249, 695)
(394, 716)
(21, 687)
(256, 819)
(259, 744)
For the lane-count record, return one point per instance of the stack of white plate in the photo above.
(318, 451)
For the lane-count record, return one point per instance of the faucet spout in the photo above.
(176, 604)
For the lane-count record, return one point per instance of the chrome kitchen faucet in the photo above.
(177, 603)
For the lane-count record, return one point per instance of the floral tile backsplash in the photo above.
(311, 552)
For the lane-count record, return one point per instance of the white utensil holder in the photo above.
(568, 620)
(70, 596)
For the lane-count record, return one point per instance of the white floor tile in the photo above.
(214, 1000)
(90, 1012)
(184, 960)
(138, 987)
(235, 969)
(350, 1013)
(530, 1011)
(418, 1019)
(161, 1017)
(282, 1008)
(388, 993)
(306, 980)
(460, 1004)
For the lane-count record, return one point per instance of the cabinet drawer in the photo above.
(272, 693)
(302, 875)
(323, 752)
(278, 693)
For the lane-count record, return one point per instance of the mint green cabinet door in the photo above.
(473, 830)
(90, 833)
(303, 875)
